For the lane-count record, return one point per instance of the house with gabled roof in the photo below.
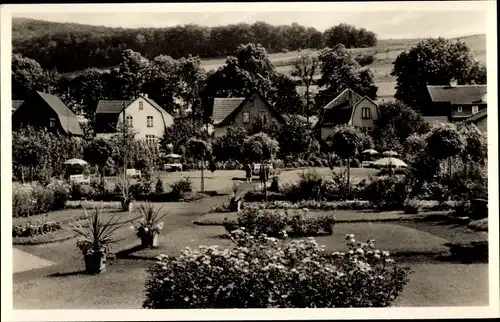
(456, 102)
(348, 108)
(243, 112)
(148, 120)
(43, 110)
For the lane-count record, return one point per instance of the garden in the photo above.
(324, 233)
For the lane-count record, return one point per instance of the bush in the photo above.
(365, 60)
(386, 193)
(82, 192)
(355, 163)
(181, 188)
(261, 272)
(411, 206)
(61, 191)
(35, 229)
(310, 185)
(275, 186)
(387, 171)
(273, 223)
(23, 202)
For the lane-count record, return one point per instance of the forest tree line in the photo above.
(66, 47)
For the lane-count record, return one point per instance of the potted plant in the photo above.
(126, 197)
(95, 238)
(235, 201)
(150, 225)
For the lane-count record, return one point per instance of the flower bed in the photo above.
(35, 229)
(34, 198)
(262, 272)
(280, 224)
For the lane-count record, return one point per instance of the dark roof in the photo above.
(225, 106)
(336, 116)
(16, 104)
(476, 117)
(346, 97)
(460, 94)
(67, 118)
(111, 106)
(236, 110)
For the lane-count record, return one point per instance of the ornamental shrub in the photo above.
(386, 193)
(35, 229)
(61, 190)
(274, 222)
(181, 188)
(263, 272)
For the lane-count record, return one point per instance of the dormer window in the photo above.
(141, 105)
(52, 122)
(475, 109)
(459, 109)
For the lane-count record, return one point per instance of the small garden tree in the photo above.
(445, 142)
(346, 142)
(260, 147)
(230, 145)
(200, 150)
(97, 152)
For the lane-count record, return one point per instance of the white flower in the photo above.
(385, 253)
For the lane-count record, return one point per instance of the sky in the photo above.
(386, 24)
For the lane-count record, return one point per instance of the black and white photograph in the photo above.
(249, 156)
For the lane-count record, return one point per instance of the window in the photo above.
(246, 117)
(365, 113)
(52, 122)
(459, 109)
(263, 117)
(475, 109)
(150, 121)
(150, 139)
(141, 105)
(129, 120)
(251, 102)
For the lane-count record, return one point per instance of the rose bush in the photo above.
(274, 222)
(264, 272)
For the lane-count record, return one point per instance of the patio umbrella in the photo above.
(370, 152)
(76, 161)
(390, 153)
(390, 161)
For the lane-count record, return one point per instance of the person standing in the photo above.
(248, 172)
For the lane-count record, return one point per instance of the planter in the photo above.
(235, 205)
(149, 240)
(127, 206)
(95, 262)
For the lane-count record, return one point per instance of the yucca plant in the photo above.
(95, 236)
(150, 224)
(127, 195)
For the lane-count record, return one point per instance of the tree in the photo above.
(396, 123)
(434, 61)
(27, 76)
(284, 96)
(131, 73)
(349, 36)
(249, 70)
(260, 147)
(98, 152)
(178, 135)
(306, 67)
(230, 145)
(296, 137)
(340, 70)
(346, 142)
(476, 146)
(200, 150)
(445, 142)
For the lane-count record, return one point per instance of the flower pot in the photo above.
(127, 206)
(95, 262)
(235, 205)
(149, 240)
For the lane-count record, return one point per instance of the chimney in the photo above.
(453, 83)
(146, 95)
